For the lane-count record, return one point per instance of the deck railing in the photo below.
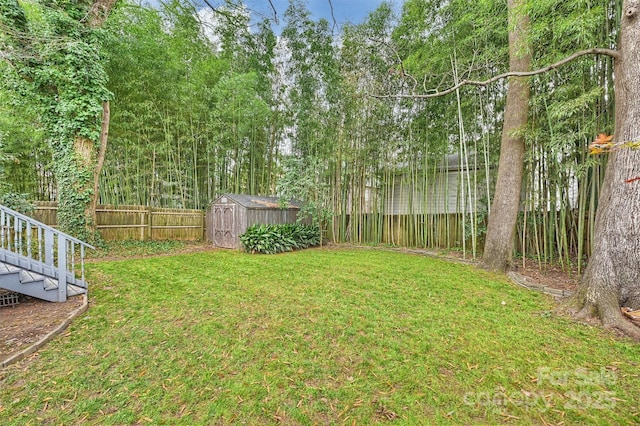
(32, 245)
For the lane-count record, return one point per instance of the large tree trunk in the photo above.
(104, 136)
(499, 242)
(612, 277)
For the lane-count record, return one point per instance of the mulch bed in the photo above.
(551, 276)
(26, 323)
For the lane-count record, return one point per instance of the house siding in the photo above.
(443, 195)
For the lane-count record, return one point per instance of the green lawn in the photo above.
(320, 337)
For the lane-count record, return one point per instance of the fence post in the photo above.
(142, 225)
(203, 218)
(150, 222)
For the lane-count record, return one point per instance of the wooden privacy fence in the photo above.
(136, 222)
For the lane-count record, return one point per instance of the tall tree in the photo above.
(444, 43)
(315, 89)
(499, 243)
(55, 54)
(612, 277)
(25, 165)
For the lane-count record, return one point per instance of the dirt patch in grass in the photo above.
(551, 276)
(26, 323)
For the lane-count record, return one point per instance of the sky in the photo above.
(354, 11)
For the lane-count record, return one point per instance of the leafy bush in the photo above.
(271, 239)
(17, 202)
(134, 248)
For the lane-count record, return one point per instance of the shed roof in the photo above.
(258, 202)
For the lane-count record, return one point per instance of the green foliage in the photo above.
(432, 34)
(561, 26)
(278, 238)
(247, 112)
(8, 197)
(57, 64)
(192, 116)
(17, 202)
(302, 180)
(134, 248)
(568, 109)
(313, 68)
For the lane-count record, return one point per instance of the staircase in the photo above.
(38, 260)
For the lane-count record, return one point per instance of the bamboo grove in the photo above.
(207, 101)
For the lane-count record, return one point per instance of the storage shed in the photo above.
(230, 215)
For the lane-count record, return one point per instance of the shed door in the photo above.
(224, 225)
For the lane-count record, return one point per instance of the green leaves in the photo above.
(559, 26)
(193, 116)
(302, 180)
(278, 238)
(57, 67)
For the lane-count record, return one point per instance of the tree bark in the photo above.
(100, 11)
(104, 136)
(612, 276)
(499, 242)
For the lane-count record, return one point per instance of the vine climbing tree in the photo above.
(54, 56)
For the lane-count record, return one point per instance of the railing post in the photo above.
(29, 248)
(48, 247)
(3, 234)
(2, 229)
(82, 263)
(62, 268)
(16, 234)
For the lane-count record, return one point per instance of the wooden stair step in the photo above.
(73, 290)
(27, 277)
(50, 284)
(5, 268)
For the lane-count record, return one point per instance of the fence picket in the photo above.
(137, 222)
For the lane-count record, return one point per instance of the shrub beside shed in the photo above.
(230, 215)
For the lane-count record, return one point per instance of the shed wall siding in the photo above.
(269, 217)
(243, 218)
(241, 224)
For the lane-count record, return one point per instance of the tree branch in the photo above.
(403, 71)
(333, 16)
(596, 51)
(231, 19)
(275, 13)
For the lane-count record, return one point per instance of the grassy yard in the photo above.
(320, 337)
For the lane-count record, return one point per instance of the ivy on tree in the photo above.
(54, 52)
